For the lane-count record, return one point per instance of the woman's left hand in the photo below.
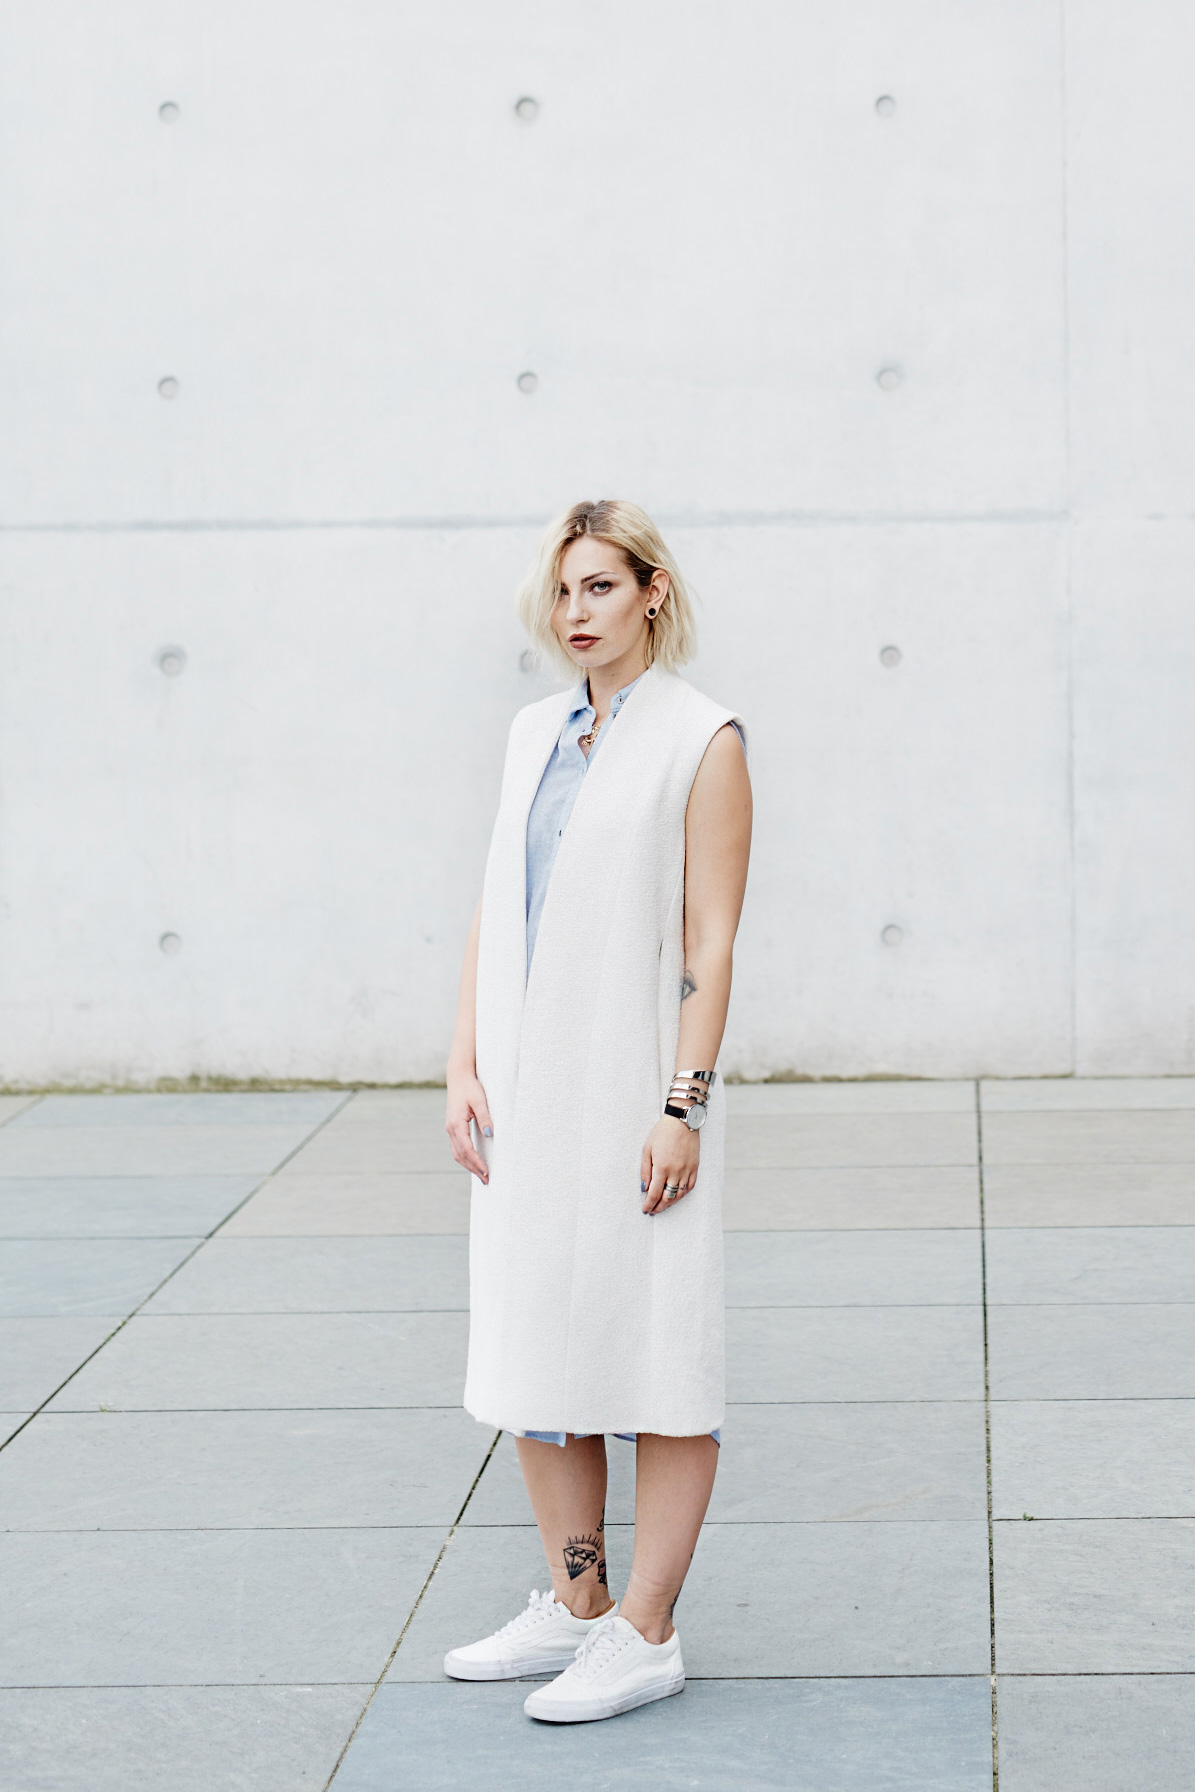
(670, 1159)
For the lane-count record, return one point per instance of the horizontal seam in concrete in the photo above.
(510, 1524)
(200, 1685)
(443, 524)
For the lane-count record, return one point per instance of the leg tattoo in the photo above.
(582, 1553)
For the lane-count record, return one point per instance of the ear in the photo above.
(658, 590)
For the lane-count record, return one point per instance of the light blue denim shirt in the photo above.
(558, 790)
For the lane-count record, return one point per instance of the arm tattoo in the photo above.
(688, 985)
(582, 1553)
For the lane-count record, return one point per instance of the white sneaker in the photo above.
(615, 1670)
(541, 1640)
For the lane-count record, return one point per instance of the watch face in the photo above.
(695, 1117)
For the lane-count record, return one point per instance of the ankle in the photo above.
(587, 1602)
(652, 1627)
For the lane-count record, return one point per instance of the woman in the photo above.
(593, 1001)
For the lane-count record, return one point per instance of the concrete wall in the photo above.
(914, 374)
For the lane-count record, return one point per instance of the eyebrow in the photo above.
(588, 579)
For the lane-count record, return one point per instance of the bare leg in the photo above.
(674, 1477)
(568, 1496)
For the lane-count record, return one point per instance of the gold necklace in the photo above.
(587, 740)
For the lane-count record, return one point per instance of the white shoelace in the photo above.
(539, 1606)
(599, 1649)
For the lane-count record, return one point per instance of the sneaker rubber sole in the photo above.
(559, 1713)
(475, 1670)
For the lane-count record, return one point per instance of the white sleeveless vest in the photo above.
(586, 1315)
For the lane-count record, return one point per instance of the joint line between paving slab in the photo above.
(181, 1264)
(411, 1614)
(987, 1436)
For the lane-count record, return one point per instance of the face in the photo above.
(600, 615)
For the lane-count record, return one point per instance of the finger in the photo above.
(465, 1154)
(481, 1114)
(661, 1176)
(646, 1172)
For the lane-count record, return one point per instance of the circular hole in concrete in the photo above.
(168, 388)
(890, 656)
(170, 660)
(885, 105)
(889, 378)
(892, 934)
(527, 382)
(527, 109)
(170, 944)
(168, 111)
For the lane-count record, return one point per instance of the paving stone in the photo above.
(145, 1150)
(807, 1463)
(12, 1105)
(186, 1608)
(73, 1277)
(793, 1141)
(285, 1360)
(830, 1198)
(1091, 1137)
(1104, 1093)
(873, 1598)
(886, 1598)
(118, 1206)
(1089, 1195)
(894, 1735)
(1103, 1733)
(410, 1107)
(296, 1205)
(1073, 1352)
(1091, 1263)
(1098, 1596)
(854, 1353)
(843, 1268)
(321, 1275)
(174, 1738)
(36, 1355)
(230, 1470)
(1093, 1458)
(361, 1148)
(851, 1098)
(282, 1107)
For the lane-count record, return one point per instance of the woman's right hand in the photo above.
(466, 1101)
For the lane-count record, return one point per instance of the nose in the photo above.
(578, 610)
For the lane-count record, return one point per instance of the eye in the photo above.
(600, 585)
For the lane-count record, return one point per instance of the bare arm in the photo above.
(717, 847)
(466, 1097)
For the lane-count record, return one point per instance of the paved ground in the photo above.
(248, 1516)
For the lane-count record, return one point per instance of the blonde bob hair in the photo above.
(672, 632)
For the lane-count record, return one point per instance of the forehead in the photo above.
(590, 554)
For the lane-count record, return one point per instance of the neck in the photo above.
(606, 681)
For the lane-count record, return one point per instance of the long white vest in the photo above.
(585, 1315)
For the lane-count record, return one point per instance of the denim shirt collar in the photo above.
(582, 706)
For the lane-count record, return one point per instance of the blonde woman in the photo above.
(582, 1096)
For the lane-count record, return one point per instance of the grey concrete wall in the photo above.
(882, 308)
